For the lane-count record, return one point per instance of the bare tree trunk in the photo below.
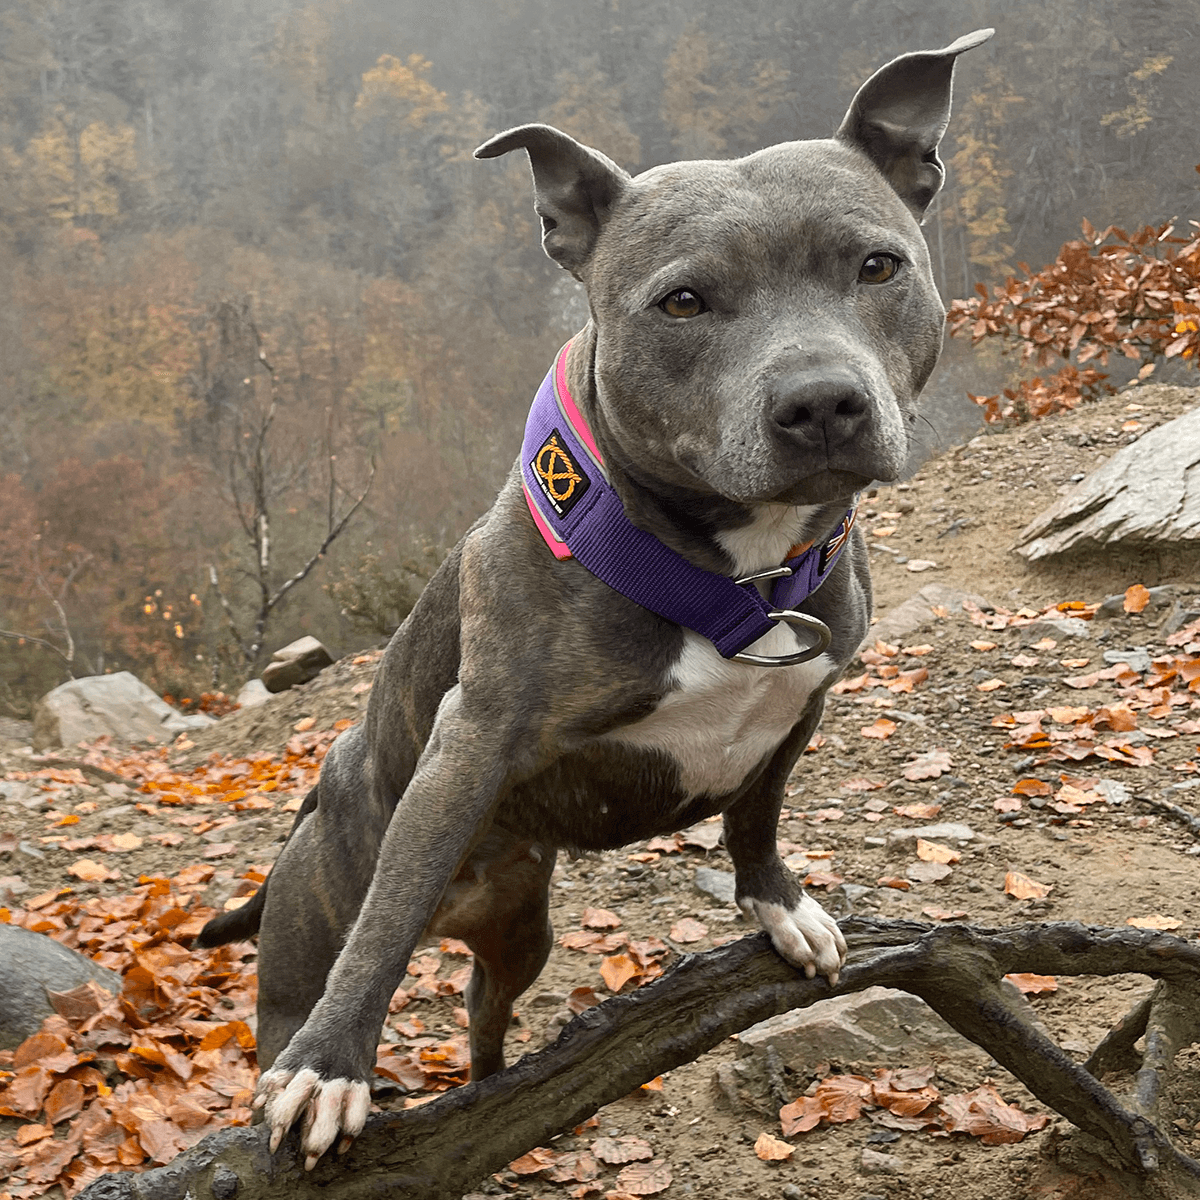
(440, 1150)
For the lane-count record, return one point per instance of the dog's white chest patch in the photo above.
(722, 718)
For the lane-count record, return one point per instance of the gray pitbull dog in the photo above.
(760, 332)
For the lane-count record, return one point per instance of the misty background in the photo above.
(245, 252)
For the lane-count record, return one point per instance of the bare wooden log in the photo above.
(440, 1150)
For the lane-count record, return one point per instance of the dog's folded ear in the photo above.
(899, 115)
(574, 188)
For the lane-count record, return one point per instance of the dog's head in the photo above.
(763, 326)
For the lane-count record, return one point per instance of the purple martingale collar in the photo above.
(579, 515)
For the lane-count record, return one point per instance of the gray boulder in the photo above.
(1147, 494)
(878, 1025)
(295, 663)
(119, 705)
(32, 964)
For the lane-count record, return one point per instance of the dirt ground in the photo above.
(1106, 862)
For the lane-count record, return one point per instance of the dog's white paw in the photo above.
(806, 935)
(332, 1108)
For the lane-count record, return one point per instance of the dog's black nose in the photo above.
(829, 405)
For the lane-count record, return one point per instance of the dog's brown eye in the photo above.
(879, 268)
(682, 304)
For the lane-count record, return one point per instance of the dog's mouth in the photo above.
(822, 487)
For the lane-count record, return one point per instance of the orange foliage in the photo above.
(1137, 295)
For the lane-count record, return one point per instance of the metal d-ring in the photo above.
(797, 620)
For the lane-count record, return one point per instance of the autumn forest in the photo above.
(252, 276)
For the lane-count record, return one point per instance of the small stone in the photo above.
(224, 1183)
(792, 1192)
(295, 663)
(1138, 658)
(1181, 615)
(876, 1162)
(953, 831)
(1056, 627)
(1112, 791)
(926, 872)
(717, 884)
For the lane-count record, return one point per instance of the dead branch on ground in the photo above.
(442, 1149)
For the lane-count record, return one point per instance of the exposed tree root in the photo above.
(442, 1149)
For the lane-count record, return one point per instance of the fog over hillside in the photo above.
(211, 212)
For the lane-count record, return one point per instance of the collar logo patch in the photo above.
(562, 481)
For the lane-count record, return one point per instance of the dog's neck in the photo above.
(718, 534)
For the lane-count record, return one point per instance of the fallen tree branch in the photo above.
(440, 1150)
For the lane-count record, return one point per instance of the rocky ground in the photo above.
(992, 717)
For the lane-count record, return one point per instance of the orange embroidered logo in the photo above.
(562, 481)
(557, 470)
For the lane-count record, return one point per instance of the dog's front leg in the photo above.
(323, 1072)
(800, 929)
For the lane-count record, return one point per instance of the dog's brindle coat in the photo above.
(760, 332)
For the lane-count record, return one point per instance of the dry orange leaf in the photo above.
(1136, 598)
(91, 871)
(919, 812)
(983, 646)
(1068, 714)
(599, 918)
(944, 914)
(929, 765)
(861, 784)
(304, 724)
(617, 970)
(773, 1149)
(1154, 921)
(841, 1097)
(126, 841)
(894, 881)
(538, 1159)
(1032, 985)
(688, 930)
(1118, 717)
(645, 1179)
(28, 1134)
(936, 852)
(1031, 787)
(622, 1150)
(1023, 888)
(65, 1100)
(983, 1114)
(574, 1166)
(882, 729)
(990, 685)
(1007, 804)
